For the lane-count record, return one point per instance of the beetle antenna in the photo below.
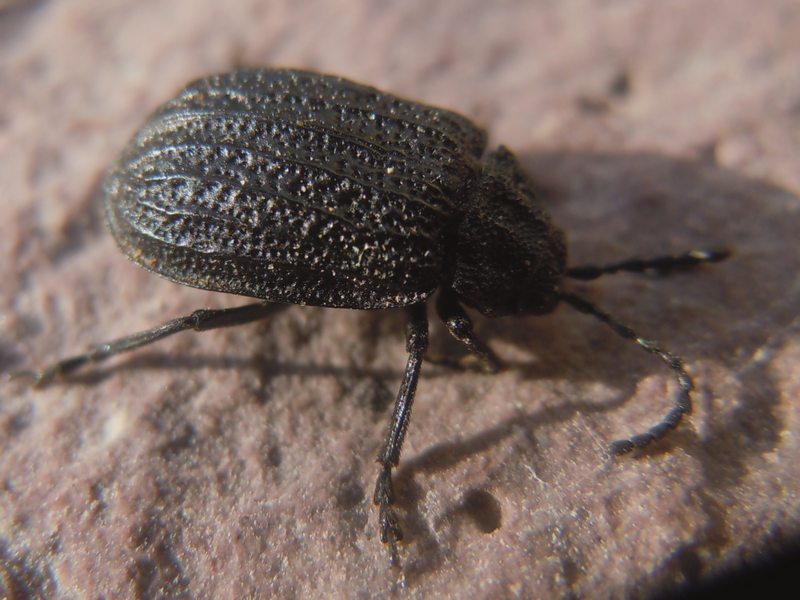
(659, 264)
(683, 403)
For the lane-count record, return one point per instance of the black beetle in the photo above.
(300, 188)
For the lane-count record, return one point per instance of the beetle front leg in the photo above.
(659, 264)
(459, 325)
(389, 457)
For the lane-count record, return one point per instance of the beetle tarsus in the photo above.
(44, 377)
(388, 523)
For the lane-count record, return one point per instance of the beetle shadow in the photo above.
(150, 360)
(734, 314)
(726, 313)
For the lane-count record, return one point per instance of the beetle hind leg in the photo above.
(389, 457)
(199, 320)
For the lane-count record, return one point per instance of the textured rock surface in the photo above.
(240, 463)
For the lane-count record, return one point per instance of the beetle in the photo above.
(295, 187)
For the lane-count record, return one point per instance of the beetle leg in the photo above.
(416, 344)
(459, 325)
(659, 264)
(199, 320)
(683, 403)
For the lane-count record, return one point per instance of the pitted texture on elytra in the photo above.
(295, 187)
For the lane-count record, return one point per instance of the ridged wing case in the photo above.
(295, 187)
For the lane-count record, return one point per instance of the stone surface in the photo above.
(240, 463)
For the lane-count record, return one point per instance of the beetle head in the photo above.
(510, 259)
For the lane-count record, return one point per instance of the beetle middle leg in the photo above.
(389, 457)
(199, 320)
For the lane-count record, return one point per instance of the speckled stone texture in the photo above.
(240, 463)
